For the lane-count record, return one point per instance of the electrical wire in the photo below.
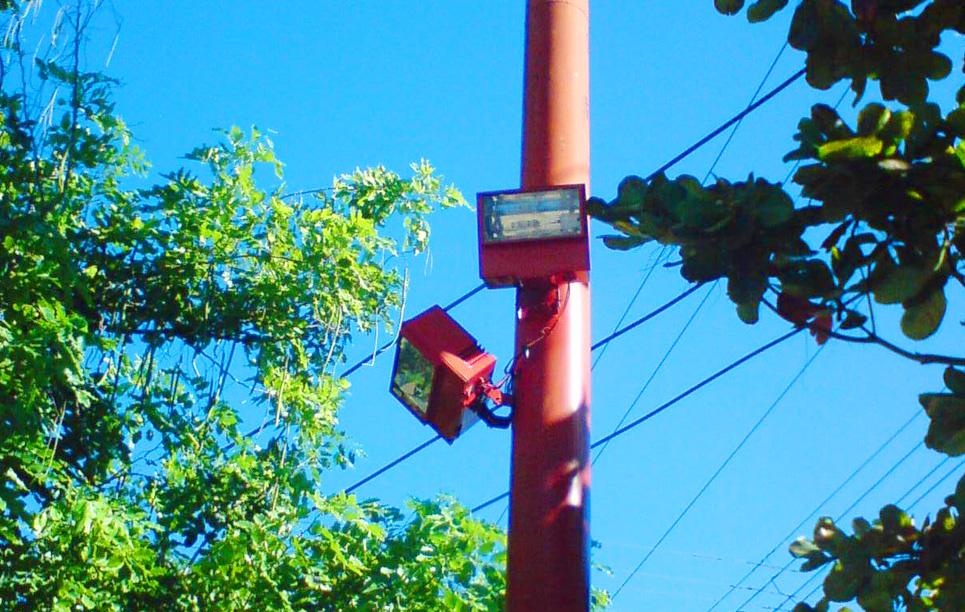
(913, 487)
(719, 470)
(645, 317)
(666, 166)
(736, 118)
(626, 311)
(599, 344)
(921, 481)
(388, 466)
(371, 359)
(811, 515)
(935, 486)
(692, 389)
(837, 519)
(657, 369)
(737, 126)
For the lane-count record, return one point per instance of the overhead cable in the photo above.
(940, 481)
(696, 387)
(736, 118)
(603, 342)
(794, 530)
(837, 519)
(720, 469)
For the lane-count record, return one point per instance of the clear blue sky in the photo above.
(368, 82)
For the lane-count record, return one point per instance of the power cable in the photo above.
(719, 470)
(626, 311)
(736, 118)
(692, 389)
(657, 369)
(666, 166)
(935, 486)
(836, 520)
(810, 516)
(737, 126)
(599, 344)
(391, 343)
(922, 480)
(392, 464)
(645, 318)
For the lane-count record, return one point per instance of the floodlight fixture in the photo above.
(442, 375)
(532, 234)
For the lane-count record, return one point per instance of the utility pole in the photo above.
(548, 564)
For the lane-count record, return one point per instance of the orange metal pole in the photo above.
(548, 564)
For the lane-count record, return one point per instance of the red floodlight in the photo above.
(532, 234)
(440, 372)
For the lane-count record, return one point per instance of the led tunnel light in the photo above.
(530, 235)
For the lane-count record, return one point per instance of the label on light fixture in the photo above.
(510, 217)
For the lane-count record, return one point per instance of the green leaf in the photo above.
(762, 10)
(872, 119)
(922, 319)
(842, 583)
(749, 312)
(728, 7)
(849, 149)
(893, 284)
(803, 547)
(955, 381)
(946, 432)
(624, 243)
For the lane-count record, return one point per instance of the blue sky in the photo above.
(347, 84)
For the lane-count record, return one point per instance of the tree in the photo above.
(885, 225)
(128, 479)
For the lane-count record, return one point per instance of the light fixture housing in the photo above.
(532, 234)
(439, 372)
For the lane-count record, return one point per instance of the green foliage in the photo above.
(891, 41)
(885, 222)
(891, 564)
(126, 316)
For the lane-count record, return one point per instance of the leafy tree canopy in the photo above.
(128, 316)
(884, 224)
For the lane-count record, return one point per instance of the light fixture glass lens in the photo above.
(412, 379)
(531, 216)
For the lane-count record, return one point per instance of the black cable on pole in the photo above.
(645, 317)
(370, 359)
(490, 502)
(464, 297)
(635, 423)
(816, 509)
(719, 470)
(922, 480)
(757, 92)
(619, 432)
(797, 75)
